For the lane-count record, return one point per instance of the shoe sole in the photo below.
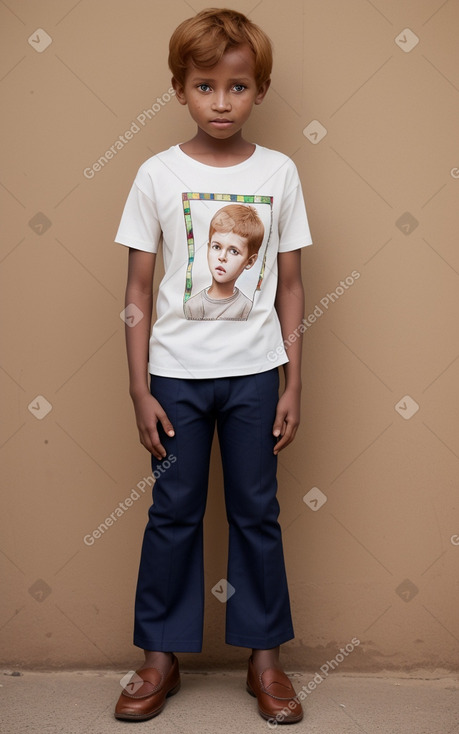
(151, 714)
(270, 717)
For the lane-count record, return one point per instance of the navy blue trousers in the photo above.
(169, 606)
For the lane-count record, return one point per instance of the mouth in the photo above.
(220, 270)
(221, 122)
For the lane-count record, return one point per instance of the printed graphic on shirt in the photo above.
(227, 239)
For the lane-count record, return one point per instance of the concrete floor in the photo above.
(82, 702)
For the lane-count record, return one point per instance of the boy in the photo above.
(235, 237)
(211, 372)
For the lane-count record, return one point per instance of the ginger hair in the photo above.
(242, 220)
(203, 39)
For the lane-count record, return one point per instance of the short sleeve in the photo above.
(293, 220)
(139, 226)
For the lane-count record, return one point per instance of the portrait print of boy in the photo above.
(235, 237)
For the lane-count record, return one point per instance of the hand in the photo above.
(287, 418)
(148, 412)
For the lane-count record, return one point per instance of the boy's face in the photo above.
(221, 99)
(228, 256)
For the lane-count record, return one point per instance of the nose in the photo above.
(222, 256)
(221, 101)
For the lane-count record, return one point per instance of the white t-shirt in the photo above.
(173, 199)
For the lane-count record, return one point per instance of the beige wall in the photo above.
(378, 560)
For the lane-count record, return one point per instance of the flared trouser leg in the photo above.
(169, 605)
(258, 612)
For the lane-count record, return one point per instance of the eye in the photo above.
(203, 87)
(239, 87)
(234, 251)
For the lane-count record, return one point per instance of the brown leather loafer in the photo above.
(275, 694)
(140, 701)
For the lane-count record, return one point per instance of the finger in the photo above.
(287, 438)
(279, 424)
(157, 449)
(150, 440)
(166, 424)
(282, 442)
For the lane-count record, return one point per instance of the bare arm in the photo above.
(139, 291)
(290, 309)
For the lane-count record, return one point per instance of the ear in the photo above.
(179, 90)
(251, 261)
(262, 91)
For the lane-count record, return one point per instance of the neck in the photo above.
(221, 290)
(219, 152)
